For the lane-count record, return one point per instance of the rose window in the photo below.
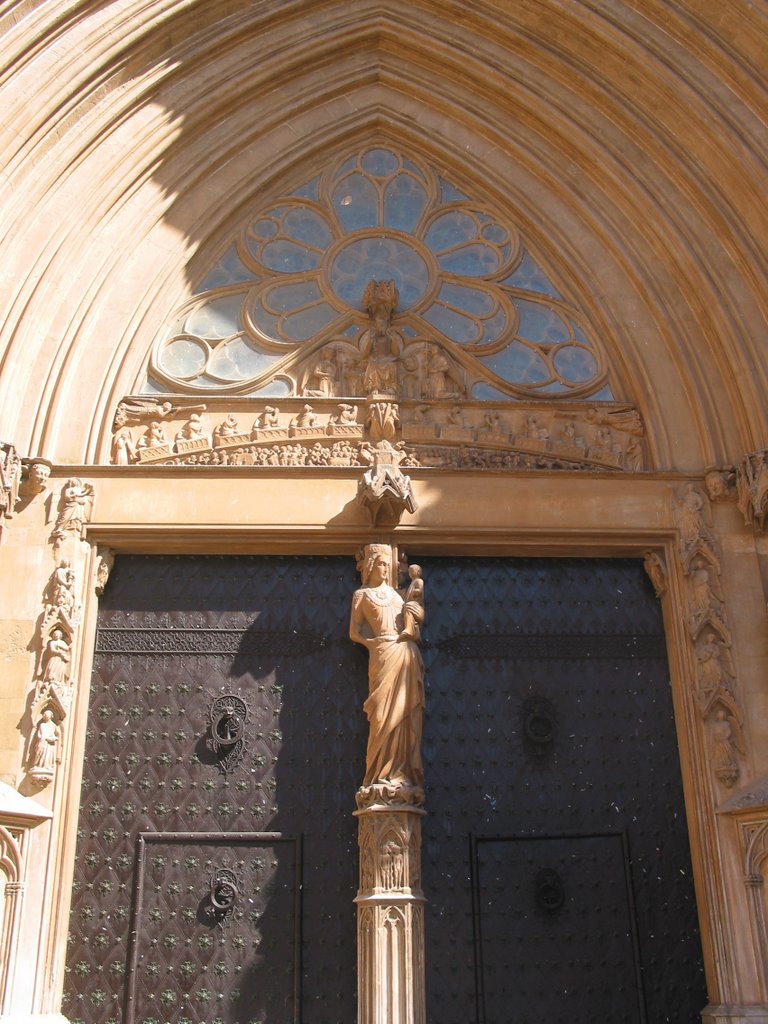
(290, 287)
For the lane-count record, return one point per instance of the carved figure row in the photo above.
(710, 638)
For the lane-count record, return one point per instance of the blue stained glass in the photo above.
(470, 261)
(229, 270)
(408, 165)
(266, 322)
(495, 327)
(605, 394)
(356, 203)
(382, 259)
(540, 323)
(529, 277)
(304, 324)
(555, 388)
(473, 300)
(308, 191)
(265, 228)
(518, 364)
(184, 357)
(286, 297)
(404, 203)
(288, 258)
(217, 318)
(486, 393)
(450, 230)
(454, 325)
(238, 360)
(575, 364)
(277, 389)
(304, 225)
(380, 163)
(450, 194)
(495, 233)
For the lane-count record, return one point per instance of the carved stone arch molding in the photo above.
(678, 310)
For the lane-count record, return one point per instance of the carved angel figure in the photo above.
(395, 704)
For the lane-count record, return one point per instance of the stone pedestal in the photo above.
(390, 916)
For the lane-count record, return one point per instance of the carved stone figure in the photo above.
(269, 418)
(306, 418)
(38, 475)
(347, 415)
(712, 678)
(104, 565)
(75, 505)
(137, 410)
(718, 483)
(228, 428)
(383, 421)
(380, 345)
(413, 609)
(153, 437)
(625, 420)
(726, 737)
(439, 382)
(752, 488)
(44, 753)
(192, 430)
(123, 447)
(62, 588)
(322, 382)
(56, 659)
(395, 704)
(689, 517)
(657, 572)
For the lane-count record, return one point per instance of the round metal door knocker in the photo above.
(223, 895)
(550, 894)
(539, 723)
(227, 717)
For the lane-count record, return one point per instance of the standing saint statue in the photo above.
(395, 704)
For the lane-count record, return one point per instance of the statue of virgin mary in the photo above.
(395, 704)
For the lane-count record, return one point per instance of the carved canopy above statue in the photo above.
(291, 308)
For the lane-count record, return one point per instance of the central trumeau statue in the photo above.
(395, 704)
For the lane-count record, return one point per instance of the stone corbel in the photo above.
(384, 491)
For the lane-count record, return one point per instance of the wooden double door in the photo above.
(217, 852)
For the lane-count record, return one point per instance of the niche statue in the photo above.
(395, 704)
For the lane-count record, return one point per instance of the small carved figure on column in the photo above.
(44, 755)
(56, 660)
(74, 507)
(726, 737)
(63, 588)
(413, 609)
(395, 704)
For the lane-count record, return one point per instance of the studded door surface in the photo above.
(217, 855)
(201, 859)
(555, 852)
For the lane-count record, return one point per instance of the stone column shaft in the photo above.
(390, 916)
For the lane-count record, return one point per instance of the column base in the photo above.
(750, 1014)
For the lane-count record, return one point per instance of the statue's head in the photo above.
(377, 561)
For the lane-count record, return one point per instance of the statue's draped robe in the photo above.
(395, 703)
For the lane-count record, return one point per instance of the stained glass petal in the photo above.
(356, 203)
(380, 163)
(404, 202)
(217, 318)
(239, 360)
(450, 230)
(528, 277)
(519, 364)
(287, 257)
(184, 357)
(462, 329)
(471, 261)
(540, 323)
(575, 363)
